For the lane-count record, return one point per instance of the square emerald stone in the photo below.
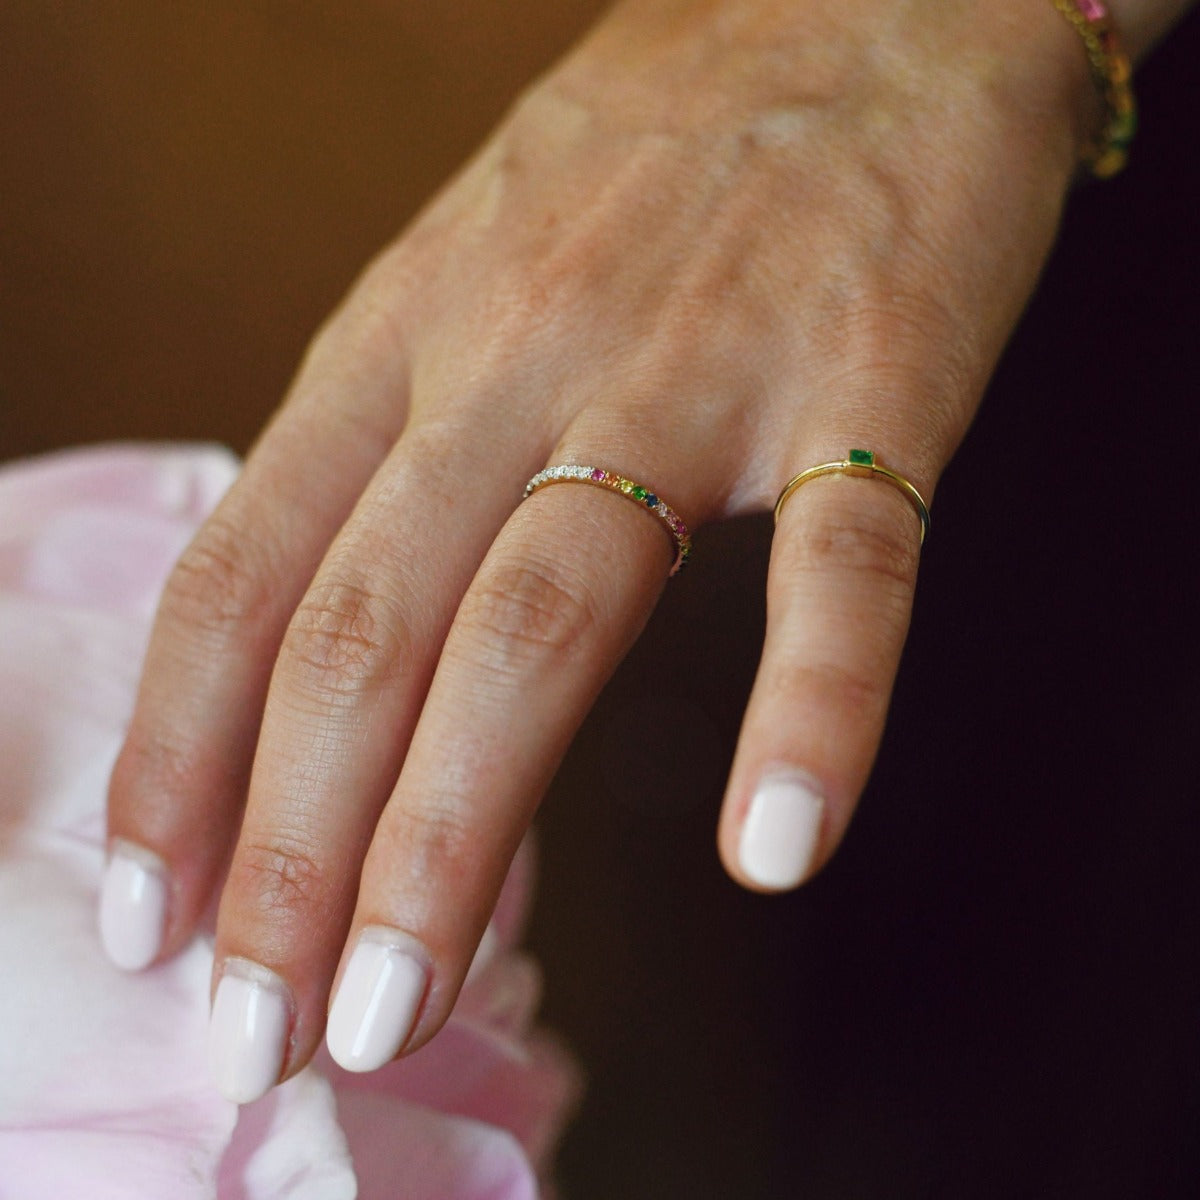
(862, 458)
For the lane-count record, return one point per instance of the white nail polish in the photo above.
(781, 831)
(133, 906)
(248, 1031)
(377, 1001)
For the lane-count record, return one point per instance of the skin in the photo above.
(720, 242)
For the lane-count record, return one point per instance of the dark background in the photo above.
(993, 990)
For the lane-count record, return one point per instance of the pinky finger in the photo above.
(839, 597)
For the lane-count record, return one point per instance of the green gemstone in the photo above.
(639, 493)
(862, 458)
(1122, 128)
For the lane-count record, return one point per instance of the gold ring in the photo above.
(859, 462)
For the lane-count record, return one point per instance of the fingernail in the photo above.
(376, 1004)
(133, 906)
(247, 1034)
(781, 830)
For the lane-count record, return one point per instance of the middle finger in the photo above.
(560, 597)
(344, 696)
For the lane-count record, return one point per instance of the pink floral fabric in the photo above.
(104, 1091)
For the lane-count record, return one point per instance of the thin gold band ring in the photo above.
(862, 463)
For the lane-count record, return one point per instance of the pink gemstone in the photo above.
(598, 475)
(1094, 10)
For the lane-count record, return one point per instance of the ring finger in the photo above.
(559, 599)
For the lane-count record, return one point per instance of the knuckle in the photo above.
(908, 356)
(220, 580)
(373, 321)
(887, 329)
(345, 638)
(533, 294)
(280, 876)
(882, 331)
(875, 545)
(527, 307)
(431, 464)
(529, 609)
(154, 761)
(833, 687)
(438, 837)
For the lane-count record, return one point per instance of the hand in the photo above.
(721, 242)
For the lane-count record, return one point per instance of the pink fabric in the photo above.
(103, 1087)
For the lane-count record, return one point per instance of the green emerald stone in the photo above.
(862, 458)
(639, 493)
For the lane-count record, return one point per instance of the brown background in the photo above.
(994, 990)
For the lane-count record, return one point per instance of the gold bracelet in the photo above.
(1113, 75)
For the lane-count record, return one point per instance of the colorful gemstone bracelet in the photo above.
(1113, 77)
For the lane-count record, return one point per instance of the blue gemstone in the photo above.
(651, 500)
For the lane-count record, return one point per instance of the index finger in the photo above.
(180, 780)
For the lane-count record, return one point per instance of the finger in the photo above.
(352, 672)
(179, 782)
(839, 596)
(561, 596)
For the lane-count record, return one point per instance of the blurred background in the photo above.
(994, 990)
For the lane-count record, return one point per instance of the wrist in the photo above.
(680, 64)
(675, 65)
